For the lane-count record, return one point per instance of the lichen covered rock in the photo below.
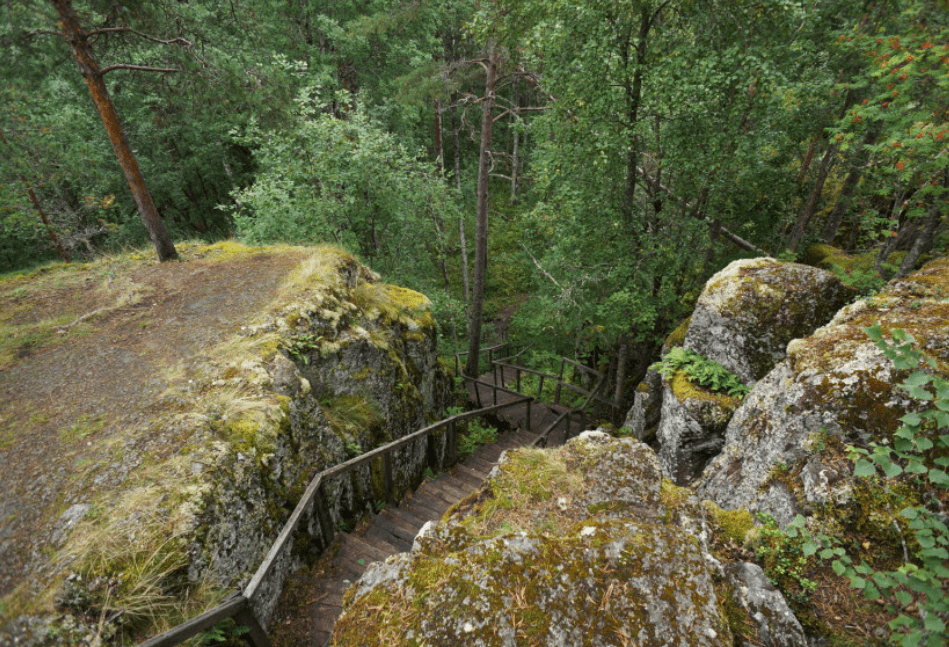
(577, 545)
(784, 444)
(643, 417)
(692, 427)
(337, 364)
(748, 312)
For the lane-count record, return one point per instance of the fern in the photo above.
(701, 371)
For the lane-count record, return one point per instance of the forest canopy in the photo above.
(627, 149)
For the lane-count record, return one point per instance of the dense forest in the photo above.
(600, 159)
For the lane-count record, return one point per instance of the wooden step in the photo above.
(382, 530)
(405, 524)
(371, 548)
(409, 518)
(452, 490)
(428, 508)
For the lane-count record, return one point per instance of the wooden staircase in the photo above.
(313, 598)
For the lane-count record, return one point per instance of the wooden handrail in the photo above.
(240, 604)
(561, 382)
(191, 628)
(541, 440)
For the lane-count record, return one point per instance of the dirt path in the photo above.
(76, 401)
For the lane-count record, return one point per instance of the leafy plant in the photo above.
(353, 449)
(300, 346)
(226, 631)
(477, 435)
(783, 558)
(917, 456)
(702, 371)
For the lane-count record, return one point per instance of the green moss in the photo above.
(673, 496)
(247, 435)
(677, 337)
(355, 416)
(735, 524)
(744, 630)
(685, 390)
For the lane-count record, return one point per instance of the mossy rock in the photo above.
(748, 312)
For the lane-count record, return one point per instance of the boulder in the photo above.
(748, 312)
(337, 363)
(785, 447)
(776, 623)
(692, 427)
(583, 544)
(643, 417)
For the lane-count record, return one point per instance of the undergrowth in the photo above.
(701, 371)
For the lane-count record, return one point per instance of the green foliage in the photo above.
(476, 436)
(701, 371)
(898, 82)
(343, 179)
(784, 559)
(866, 281)
(223, 634)
(918, 455)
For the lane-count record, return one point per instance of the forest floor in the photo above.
(87, 353)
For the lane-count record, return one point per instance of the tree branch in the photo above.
(139, 68)
(542, 270)
(738, 240)
(128, 30)
(517, 111)
(734, 238)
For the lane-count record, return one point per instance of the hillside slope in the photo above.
(159, 421)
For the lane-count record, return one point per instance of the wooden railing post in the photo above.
(452, 443)
(256, 635)
(323, 517)
(559, 382)
(387, 478)
(517, 379)
(529, 414)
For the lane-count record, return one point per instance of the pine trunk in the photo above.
(481, 236)
(82, 52)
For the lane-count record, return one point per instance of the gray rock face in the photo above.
(587, 552)
(643, 417)
(691, 433)
(748, 312)
(834, 388)
(777, 625)
(362, 379)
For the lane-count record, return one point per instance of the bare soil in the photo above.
(77, 394)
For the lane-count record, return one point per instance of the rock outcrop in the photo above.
(337, 364)
(784, 446)
(748, 312)
(744, 319)
(692, 427)
(579, 545)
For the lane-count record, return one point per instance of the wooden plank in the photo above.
(382, 531)
(370, 551)
(410, 520)
(454, 491)
(427, 506)
(283, 538)
(325, 619)
(193, 627)
(437, 492)
(256, 635)
(473, 475)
